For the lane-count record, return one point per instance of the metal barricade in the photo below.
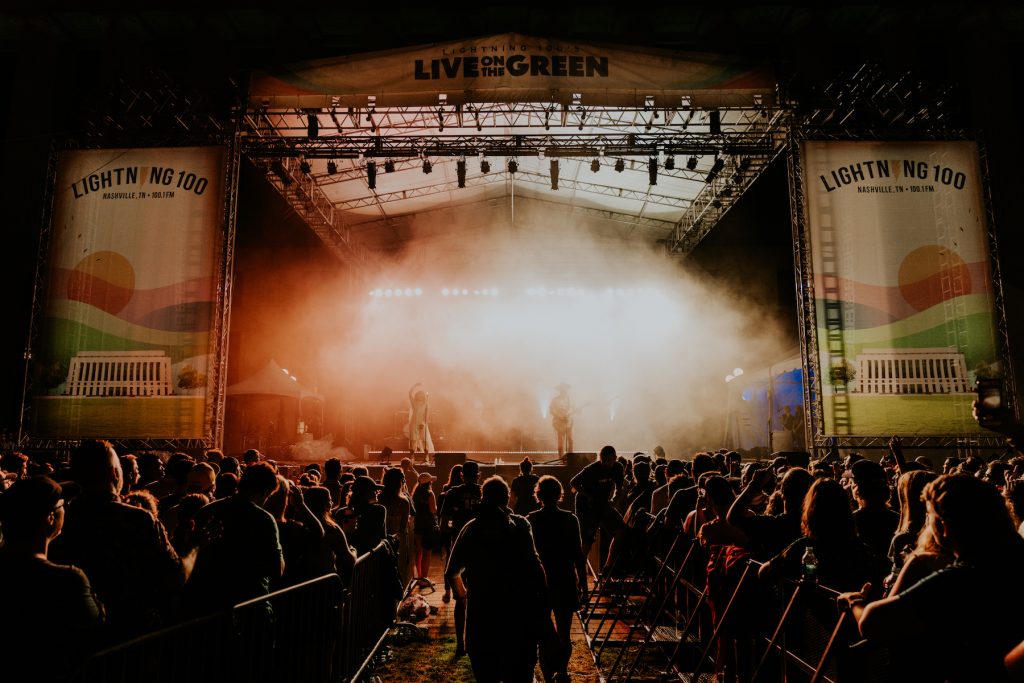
(316, 631)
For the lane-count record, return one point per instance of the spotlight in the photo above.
(460, 172)
(389, 166)
(595, 165)
(512, 166)
(554, 174)
(715, 122)
(485, 166)
(427, 167)
(371, 175)
(312, 126)
(652, 171)
(715, 169)
(332, 167)
(670, 163)
(620, 165)
(278, 168)
(304, 167)
(691, 163)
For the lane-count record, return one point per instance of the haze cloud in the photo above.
(646, 366)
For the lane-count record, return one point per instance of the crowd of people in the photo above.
(925, 556)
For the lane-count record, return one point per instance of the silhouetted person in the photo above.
(595, 485)
(958, 623)
(522, 487)
(123, 550)
(244, 555)
(494, 564)
(561, 411)
(556, 534)
(50, 615)
(459, 506)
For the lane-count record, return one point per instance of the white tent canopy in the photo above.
(272, 380)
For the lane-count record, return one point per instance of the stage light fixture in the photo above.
(715, 122)
(652, 171)
(332, 167)
(485, 166)
(389, 166)
(312, 126)
(554, 174)
(460, 172)
(371, 175)
(512, 166)
(278, 168)
(670, 163)
(691, 163)
(304, 167)
(715, 169)
(595, 165)
(620, 165)
(427, 167)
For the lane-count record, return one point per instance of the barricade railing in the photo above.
(313, 631)
(793, 631)
(809, 638)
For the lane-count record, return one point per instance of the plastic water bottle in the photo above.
(810, 565)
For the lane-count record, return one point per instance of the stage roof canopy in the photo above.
(659, 143)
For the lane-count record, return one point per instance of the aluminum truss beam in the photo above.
(313, 206)
(538, 115)
(530, 177)
(754, 142)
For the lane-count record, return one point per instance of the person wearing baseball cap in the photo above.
(52, 608)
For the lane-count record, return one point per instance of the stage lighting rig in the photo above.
(595, 165)
(512, 166)
(460, 172)
(670, 163)
(304, 167)
(485, 166)
(652, 171)
(389, 166)
(554, 174)
(312, 125)
(427, 167)
(716, 168)
(371, 175)
(620, 165)
(691, 164)
(332, 167)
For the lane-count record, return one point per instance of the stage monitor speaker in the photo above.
(580, 460)
(443, 463)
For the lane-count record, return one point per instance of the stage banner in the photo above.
(906, 319)
(515, 68)
(135, 253)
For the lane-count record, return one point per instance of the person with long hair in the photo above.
(399, 516)
(455, 478)
(958, 623)
(426, 534)
(827, 526)
(909, 488)
(335, 554)
(419, 424)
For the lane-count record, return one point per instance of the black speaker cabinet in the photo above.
(580, 460)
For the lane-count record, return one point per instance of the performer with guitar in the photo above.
(561, 411)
